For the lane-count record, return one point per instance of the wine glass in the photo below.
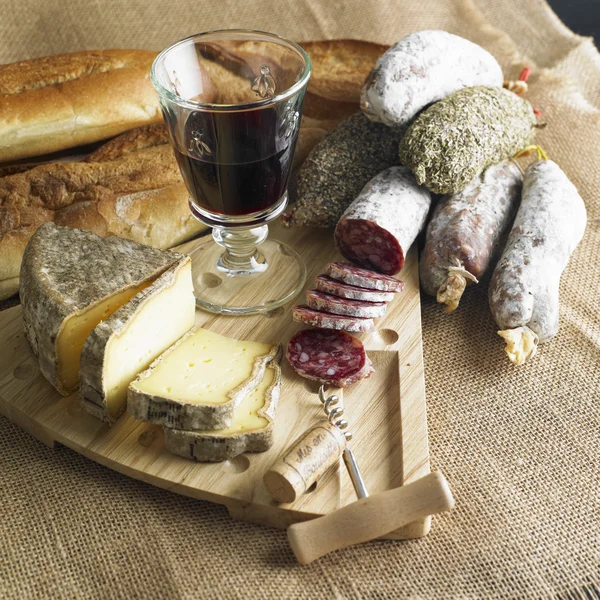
(232, 100)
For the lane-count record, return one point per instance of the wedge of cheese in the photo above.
(130, 339)
(73, 281)
(251, 428)
(199, 381)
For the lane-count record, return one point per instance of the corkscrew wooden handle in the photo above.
(370, 518)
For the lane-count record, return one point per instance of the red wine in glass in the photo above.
(232, 100)
(236, 163)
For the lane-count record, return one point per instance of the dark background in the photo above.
(581, 16)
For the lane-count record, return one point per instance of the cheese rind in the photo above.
(198, 382)
(251, 429)
(69, 273)
(133, 337)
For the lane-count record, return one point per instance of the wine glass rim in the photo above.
(213, 107)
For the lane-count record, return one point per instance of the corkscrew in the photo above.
(334, 411)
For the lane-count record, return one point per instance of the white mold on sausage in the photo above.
(421, 68)
(523, 293)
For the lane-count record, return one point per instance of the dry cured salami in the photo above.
(316, 318)
(379, 227)
(343, 306)
(364, 278)
(524, 287)
(326, 284)
(422, 68)
(331, 357)
(466, 230)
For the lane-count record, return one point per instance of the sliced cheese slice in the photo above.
(70, 281)
(76, 328)
(198, 382)
(251, 428)
(134, 336)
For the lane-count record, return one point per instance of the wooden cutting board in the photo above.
(387, 412)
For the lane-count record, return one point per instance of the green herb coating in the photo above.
(338, 168)
(455, 139)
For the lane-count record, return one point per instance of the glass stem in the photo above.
(241, 256)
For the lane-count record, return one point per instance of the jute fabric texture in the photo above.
(520, 446)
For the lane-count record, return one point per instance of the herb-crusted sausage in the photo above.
(524, 288)
(422, 68)
(455, 139)
(337, 168)
(465, 231)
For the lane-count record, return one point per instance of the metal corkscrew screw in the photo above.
(334, 411)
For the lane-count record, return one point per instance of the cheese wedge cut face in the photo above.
(75, 330)
(246, 416)
(200, 381)
(251, 428)
(159, 322)
(203, 369)
(73, 280)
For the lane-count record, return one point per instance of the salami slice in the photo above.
(523, 291)
(465, 232)
(363, 278)
(343, 306)
(379, 227)
(331, 286)
(316, 318)
(331, 357)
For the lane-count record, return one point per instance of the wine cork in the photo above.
(301, 465)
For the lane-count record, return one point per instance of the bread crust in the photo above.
(139, 196)
(56, 102)
(340, 67)
(131, 141)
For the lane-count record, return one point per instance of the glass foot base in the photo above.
(277, 275)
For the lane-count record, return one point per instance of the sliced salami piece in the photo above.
(379, 227)
(331, 357)
(364, 278)
(332, 286)
(343, 306)
(316, 318)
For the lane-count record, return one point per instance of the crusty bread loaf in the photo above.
(339, 67)
(136, 192)
(57, 102)
(131, 141)
(323, 109)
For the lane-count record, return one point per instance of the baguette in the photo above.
(57, 102)
(131, 141)
(339, 67)
(136, 192)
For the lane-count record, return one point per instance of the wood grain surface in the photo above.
(387, 412)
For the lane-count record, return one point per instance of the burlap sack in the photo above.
(520, 446)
